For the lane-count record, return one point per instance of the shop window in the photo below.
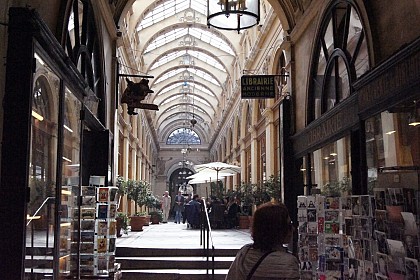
(262, 172)
(330, 168)
(392, 150)
(70, 184)
(42, 153)
(248, 174)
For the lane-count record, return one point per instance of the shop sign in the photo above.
(258, 86)
(326, 128)
(390, 80)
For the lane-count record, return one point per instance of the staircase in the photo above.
(41, 261)
(171, 264)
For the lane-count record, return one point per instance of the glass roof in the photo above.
(197, 88)
(189, 62)
(198, 33)
(189, 100)
(179, 54)
(191, 72)
(170, 8)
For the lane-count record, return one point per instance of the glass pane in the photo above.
(318, 80)
(356, 44)
(392, 152)
(69, 234)
(331, 167)
(42, 166)
(337, 87)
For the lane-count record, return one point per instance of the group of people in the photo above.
(224, 214)
(186, 209)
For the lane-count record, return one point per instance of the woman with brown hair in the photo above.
(267, 258)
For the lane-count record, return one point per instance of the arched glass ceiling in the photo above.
(178, 96)
(198, 87)
(197, 54)
(169, 88)
(185, 116)
(186, 109)
(199, 33)
(192, 72)
(183, 136)
(170, 8)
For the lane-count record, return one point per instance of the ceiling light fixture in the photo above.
(233, 14)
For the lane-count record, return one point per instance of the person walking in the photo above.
(179, 207)
(166, 206)
(184, 212)
(266, 258)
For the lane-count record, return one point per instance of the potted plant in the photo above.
(272, 187)
(137, 191)
(244, 220)
(137, 221)
(156, 217)
(246, 196)
(122, 223)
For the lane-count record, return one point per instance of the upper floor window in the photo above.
(183, 136)
(341, 56)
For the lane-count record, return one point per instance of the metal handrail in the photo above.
(39, 209)
(209, 238)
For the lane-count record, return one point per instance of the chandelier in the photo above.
(233, 14)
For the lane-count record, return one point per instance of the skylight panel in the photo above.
(204, 89)
(208, 59)
(166, 38)
(167, 58)
(202, 100)
(211, 39)
(163, 11)
(206, 76)
(199, 109)
(170, 99)
(169, 75)
(169, 88)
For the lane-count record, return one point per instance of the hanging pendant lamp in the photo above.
(233, 14)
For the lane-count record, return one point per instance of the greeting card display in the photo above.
(97, 228)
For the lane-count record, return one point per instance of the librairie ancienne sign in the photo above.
(258, 86)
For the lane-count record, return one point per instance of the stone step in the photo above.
(174, 274)
(39, 273)
(168, 264)
(173, 262)
(178, 252)
(39, 261)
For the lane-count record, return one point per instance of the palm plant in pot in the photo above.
(137, 191)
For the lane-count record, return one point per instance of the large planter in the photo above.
(244, 222)
(147, 221)
(137, 222)
(155, 219)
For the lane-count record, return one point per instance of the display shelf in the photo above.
(358, 236)
(87, 241)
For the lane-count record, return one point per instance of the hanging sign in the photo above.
(258, 86)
